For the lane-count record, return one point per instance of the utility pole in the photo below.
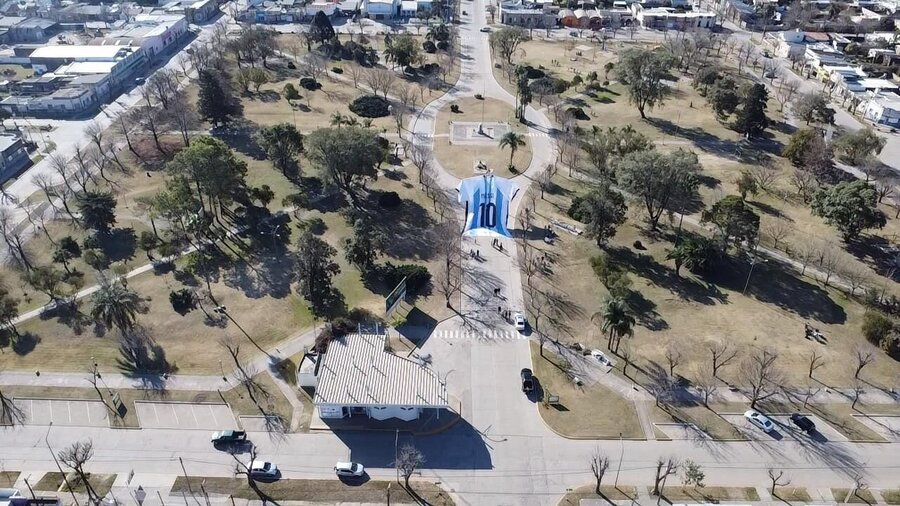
(186, 479)
(65, 478)
(621, 455)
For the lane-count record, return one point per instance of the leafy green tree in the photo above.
(876, 327)
(642, 72)
(514, 141)
(692, 252)
(98, 210)
(724, 98)
(216, 103)
(746, 183)
(9, 311)
(47, 280)
(611, 274)
(257, 76)
(602, 209)
(523, 92)
(505, 41)
(363, 248)
(282, 143)
(813, 107)
(799, 145)
(263, 194)
(751, 118)
(320, 28)
(850, 206)
(115, 305)
(605, 147)
(346, 155)
(658, 179)
(705, 77)
(438, 33)
(315, 269)
(290, 93)
(148, 242)
(402, 50)
(618, 321)
(211, 169)
(857, 147)
(96, 258)
(734, 219)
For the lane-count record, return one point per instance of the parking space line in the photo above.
(175, 414)
(194, 414)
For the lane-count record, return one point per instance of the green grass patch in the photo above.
(101, 483)
(8, 478)
(891, 496)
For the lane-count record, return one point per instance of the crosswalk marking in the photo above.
(477, 335)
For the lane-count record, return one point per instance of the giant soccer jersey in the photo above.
(487, 200)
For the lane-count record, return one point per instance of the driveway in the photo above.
(68, 413)
(184, 415)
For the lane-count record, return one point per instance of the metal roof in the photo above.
(357, 371)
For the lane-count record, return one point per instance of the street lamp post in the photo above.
(621, 456)
(753, 261)
(55, 460)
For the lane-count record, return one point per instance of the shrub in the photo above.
(291, 65)
(533, 73)
(575, 211)
(417, 276)
(388, 200)
(370, 106)
(337, 70)
(429, 47)
(182, 301)
(578, 113)
(90, 242)
(310, 84)
(454, 108)
(344, 325)
(877, 327)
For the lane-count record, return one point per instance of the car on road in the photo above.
(228, 436)
(803, 422)
(519, 321)
(602, 358)
(349, 469)
(263, 469)
(139, 81)
(760, 420)
(527, 380)
(485, 29)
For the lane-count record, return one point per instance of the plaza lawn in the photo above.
(576, 415)
(460, 158)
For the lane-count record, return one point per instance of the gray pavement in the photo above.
(184, 415)
(63, 412)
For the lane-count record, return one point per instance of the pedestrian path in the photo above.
(480, 335)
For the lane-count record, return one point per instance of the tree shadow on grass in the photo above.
(770, 210)
(647, 267)
(242, 140)
(120, 244)
(21, 344)
(878, 253)
(407, 229)
(740, 151)
(772, 283)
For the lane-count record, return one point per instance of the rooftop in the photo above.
(357, 371)
(79, 52)
(86, 67)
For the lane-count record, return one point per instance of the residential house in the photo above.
(126, 61)
(381, 9)
(883, 109)
(195, 11)
(32, 30)
(13, 156)
(516, 15)
(357, 377)
(80, 13)
(156, 32)
(668, 18)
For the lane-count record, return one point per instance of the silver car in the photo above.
(349, 469)
(760, 420)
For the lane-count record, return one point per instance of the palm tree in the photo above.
(337, 119)
(115, 304)
(617, 321)
(514, 141)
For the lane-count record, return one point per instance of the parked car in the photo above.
(228, 436)
(139, 81)
(519, 321)
(527, 380)
(263, 469)
(485, 29)
(760, 420)
(804, 423)
(349, 469)
(602, 358)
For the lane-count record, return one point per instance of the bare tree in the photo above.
(151, 121)
(544, 179)
(449, 272)
(93, 379)
(356, 72)
(124, 124)
(409, 458)
(855, 276)
(857, 393)
(777, 230)
(722, 355)
(183, 116)
(15, 242)
(815, 361)
(706, 383)
(673, 358)
(761, 375)
(163, 86)
(778, 480)
(599, 466)
(314, 66)
(244, 373)
(10, 413)
(764, 176)
(380, 80)
(830, 261)
(75, 457)
(407, 96)
(626, 351)
(805, 182)
(664, 469)
(864, 357)
(421, 156)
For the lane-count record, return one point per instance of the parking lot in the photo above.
(785, 429)
(72, 413)
(887, 426)
(182, 415)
